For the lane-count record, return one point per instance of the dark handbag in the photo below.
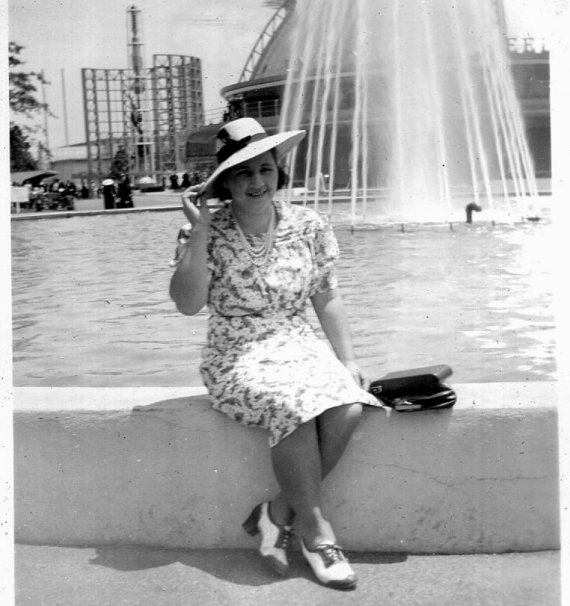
(415, 389)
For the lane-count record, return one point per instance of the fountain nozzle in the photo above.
(472, 206)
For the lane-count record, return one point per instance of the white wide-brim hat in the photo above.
(243, 139)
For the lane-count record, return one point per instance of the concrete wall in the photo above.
(158, 466)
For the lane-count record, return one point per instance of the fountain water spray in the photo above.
(408, 107)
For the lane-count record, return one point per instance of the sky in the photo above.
(63, 36)
(69, 35)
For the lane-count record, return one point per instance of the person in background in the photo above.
(257, 263)
(182, 238)
(174, 182)
(109, 193)
(125, 193)
(71, 188)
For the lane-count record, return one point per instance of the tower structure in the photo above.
(144, 112)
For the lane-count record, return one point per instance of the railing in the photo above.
(264, 38)
(214, 116)
(265, 108)
(261, 109)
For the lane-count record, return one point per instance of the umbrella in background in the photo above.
(33, 177)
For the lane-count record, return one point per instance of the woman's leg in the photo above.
(297, 467)
(335, 428)
(319, 446)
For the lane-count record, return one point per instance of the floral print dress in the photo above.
(263, 364)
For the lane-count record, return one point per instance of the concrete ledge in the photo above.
(157, 466)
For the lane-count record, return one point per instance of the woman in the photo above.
(256, 263)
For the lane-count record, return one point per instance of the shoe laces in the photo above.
(284, 538)
(331, 554)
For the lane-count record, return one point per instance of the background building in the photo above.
(137, 120)
(156, 115)
(260, 89)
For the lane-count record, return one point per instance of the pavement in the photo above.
(170, 200)
(166, 198)
(145, 576)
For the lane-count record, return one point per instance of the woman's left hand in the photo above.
(357, 374)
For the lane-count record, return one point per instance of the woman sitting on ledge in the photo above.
(256, 263)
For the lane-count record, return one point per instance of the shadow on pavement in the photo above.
(239, 566)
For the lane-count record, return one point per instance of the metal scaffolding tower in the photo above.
(145, 112)
(177, 105)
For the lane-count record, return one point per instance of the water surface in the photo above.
(91, 305)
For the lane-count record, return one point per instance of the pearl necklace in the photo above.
(260, 253)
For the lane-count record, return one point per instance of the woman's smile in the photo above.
(254, 180)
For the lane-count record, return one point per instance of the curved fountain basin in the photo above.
(106, 453)
(157, 466)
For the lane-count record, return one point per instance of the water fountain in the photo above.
(425, 100)
(410, 108)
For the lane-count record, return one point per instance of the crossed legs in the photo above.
(301, 461)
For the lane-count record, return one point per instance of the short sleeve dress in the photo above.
(263, 364)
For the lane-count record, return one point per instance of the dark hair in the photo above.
(219, 190)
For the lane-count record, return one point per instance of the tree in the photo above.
(20, 156)
(23, 103)
(120, 165)
(23, 87)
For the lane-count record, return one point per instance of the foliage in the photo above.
(120, 165)
(20, 156)
(24, 104)
(23, 85)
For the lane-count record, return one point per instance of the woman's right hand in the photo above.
(198, 215)
(190, 281)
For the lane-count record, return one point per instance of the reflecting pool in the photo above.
(91, 305)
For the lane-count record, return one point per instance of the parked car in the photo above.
(147, 184)
(52, 201)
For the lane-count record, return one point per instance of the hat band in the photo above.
(231, 146)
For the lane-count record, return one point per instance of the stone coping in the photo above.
(157, 466)
(471, 396)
